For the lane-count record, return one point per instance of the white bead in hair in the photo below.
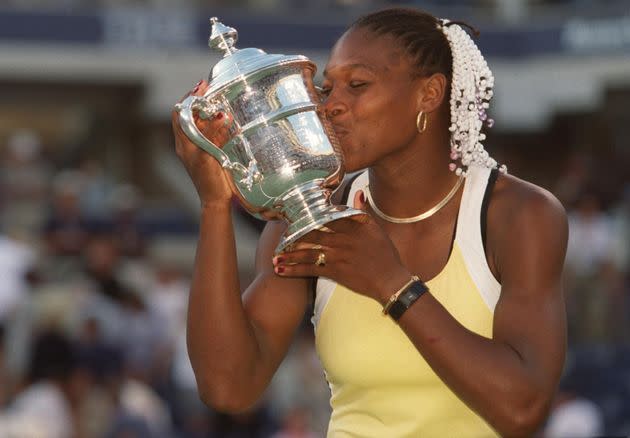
(471, 90)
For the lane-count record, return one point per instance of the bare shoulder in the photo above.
(516, 202)
(526, 223)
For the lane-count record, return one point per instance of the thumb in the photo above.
(360, 204)
(359, 200)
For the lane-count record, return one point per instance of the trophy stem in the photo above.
(307, 207)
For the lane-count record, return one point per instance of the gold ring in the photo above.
(321, 259)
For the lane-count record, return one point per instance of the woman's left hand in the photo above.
(357, 253)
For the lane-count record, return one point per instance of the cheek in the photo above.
(358, 147)
(378, 134)
(380, 122)
(397, 119)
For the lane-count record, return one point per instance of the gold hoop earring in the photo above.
(421, 122)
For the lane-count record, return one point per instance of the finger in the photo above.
(175, 112)
(216, 128)
(306, 263)
(218, 120)
(360, 203)
(324, 229)
(303, 245)
(201, 88)
(301, 270)
(325, 239)
(192, 91)
(198, 89)
(195, 89)
(305, 256)
(347, 225)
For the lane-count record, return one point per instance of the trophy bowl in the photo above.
(282, 157)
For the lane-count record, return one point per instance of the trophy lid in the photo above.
(239, 63)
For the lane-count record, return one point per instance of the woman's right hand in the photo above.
(207, 175)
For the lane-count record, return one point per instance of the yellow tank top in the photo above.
(380, 384)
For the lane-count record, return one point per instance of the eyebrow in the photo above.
(352, 67)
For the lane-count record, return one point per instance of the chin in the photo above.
(348, 161)
(351, 159)
(353, 155)
(351, 164)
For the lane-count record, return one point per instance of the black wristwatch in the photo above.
(406, 299)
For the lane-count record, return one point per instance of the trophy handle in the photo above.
(206, 110)
(247, 176)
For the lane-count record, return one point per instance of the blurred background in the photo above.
(98, 219)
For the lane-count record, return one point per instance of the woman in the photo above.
(474, 348)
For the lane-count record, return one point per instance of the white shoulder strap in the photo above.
(358, 184)
(468, 235)
(325, 286)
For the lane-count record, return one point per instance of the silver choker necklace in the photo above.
(408, 220)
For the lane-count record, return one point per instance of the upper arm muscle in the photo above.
(530, 245)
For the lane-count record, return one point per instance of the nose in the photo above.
(333, 112)
(333, 106)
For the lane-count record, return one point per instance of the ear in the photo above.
(432, 92)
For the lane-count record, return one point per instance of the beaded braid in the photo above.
(472, 85)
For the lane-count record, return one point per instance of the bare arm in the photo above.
(235, 345)
(509, 380)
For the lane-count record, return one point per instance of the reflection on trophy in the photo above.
(282, 157)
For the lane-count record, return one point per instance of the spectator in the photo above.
(124, 204)
(16, 261)
(66, 230)
(56, 385)
(574, 417)
(590, 235)
(24, 179)
(95, 190)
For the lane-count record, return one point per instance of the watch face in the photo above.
(407, 298)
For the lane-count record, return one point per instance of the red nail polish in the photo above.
(279, 259)
(194, 90)
(279, 269)
(219, 116)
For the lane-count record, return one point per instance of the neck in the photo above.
(413, 179)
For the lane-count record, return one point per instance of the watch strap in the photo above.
(406, 298)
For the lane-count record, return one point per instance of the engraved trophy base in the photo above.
(306, 208)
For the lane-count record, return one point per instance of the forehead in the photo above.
(359, 48)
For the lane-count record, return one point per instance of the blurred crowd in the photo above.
(93, 301)
(594, 397)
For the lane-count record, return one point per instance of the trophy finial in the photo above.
(222, 37)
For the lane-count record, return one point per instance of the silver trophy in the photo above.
(281, 155)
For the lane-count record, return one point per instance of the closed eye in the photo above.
(325, 91)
